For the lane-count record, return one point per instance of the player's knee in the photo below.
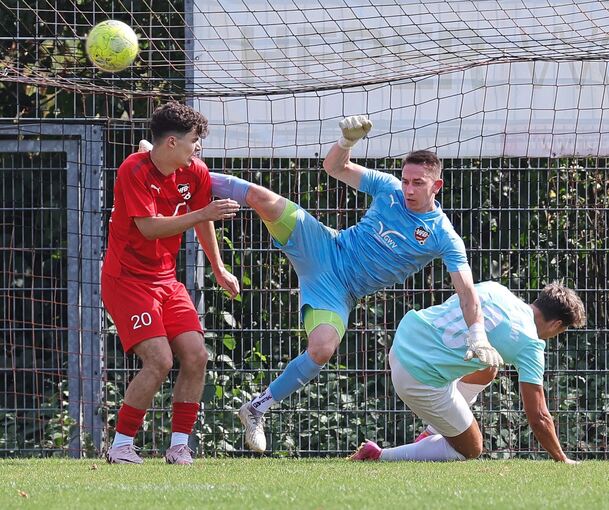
(200, 358)
(261, 199)
(482, 377)
(195, 361)
(256, 196)
(474, 450)
(321, 353)
(160, 366)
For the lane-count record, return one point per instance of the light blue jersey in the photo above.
(385, 247)
(390, 243)
(430, 343)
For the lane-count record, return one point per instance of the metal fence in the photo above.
(65, 128)
(525, 222)
(52, 348)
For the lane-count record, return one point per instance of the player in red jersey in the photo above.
(157, 196)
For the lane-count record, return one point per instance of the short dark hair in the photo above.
(177, 118)
(427, 159)
(559, 302)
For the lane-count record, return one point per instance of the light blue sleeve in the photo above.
(374, 182)
(530, 362)
(453, 250)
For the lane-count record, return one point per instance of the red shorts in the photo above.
(142, 310)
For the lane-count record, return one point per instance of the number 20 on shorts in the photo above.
(143, 319)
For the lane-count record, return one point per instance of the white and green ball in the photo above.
(112, 46)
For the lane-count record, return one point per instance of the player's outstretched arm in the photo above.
(478, 345)
(206, 233)
(541, 421)
(159, 227)
(337, 162)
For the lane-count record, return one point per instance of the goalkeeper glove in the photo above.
(479, 347)
(353, 128)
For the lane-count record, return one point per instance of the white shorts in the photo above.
(445, 409)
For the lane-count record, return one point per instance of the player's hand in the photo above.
(227, 281)
(144, 146)
(223, 209)
(353, 128)
(479, 347)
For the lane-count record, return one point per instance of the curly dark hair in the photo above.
(426, 158)
(176, 118)
(559, 302)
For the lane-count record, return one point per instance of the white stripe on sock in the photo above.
(122, 440)
(178, 438)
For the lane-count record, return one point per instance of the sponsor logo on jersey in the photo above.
(393, 201)
(421, 235)
(155, 188)
(184, 190)
(389, 236)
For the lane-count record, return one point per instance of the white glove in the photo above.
(353, 128)
(479, 347)
(144, 146)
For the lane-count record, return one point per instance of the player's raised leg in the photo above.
(268, 204)
(324, 327)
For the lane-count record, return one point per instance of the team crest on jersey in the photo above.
(184, 190)
(421, 235)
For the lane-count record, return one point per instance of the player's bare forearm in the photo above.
(472, 311)
(338, 165)
(543, 428)
(468, 297)
(336, 160)
(540, 420)
(159, 227)
(477, 342)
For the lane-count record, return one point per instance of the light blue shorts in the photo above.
(313, 252)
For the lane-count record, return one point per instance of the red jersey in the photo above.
(141, 190)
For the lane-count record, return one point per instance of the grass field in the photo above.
(315, 484)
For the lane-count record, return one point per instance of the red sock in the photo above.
(129, 420)
(184, 416)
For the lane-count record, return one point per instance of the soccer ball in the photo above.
(112, 45)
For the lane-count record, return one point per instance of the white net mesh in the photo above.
(516, 78)
(260, 47)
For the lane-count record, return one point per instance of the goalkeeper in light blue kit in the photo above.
(404, 229)
(427, 363)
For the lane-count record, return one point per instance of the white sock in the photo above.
(470, 391)
(178, 438)
(431, 430)
(263, 402)
(122, 440)
(432, 448)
